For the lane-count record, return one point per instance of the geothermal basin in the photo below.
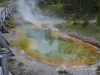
(54, 48)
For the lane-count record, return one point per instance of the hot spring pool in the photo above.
(46, 46)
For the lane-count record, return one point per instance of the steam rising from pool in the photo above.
(29, 11)
(47, 47)
(53, 47)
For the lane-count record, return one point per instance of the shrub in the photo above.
(74, 19)
(10, 59)
(11, 24)
(1, 1)
(62, 72)
(85, 20)
(20, 64)
(98, 19)
(98, 70)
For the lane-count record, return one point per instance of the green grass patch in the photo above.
(51, 7)
(89, 31)
(11, 24)
(54, 10)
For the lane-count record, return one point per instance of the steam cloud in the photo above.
(29, 11)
